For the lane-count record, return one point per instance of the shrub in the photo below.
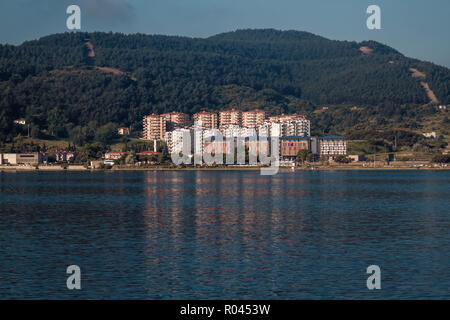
(441, 158)
(342, 159)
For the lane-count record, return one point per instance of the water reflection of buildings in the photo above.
(209, 207)
(215, 223)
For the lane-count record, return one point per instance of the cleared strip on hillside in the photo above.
(418, 74)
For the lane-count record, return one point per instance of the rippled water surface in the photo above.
(225, 234)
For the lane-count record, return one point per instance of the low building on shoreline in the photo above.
(291, 146)
(332, 146)
(357, 158)
(31, 158)
(113, 155)
(64, 156)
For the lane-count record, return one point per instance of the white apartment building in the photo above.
(286, 129)
(200, 136)
(333, 145)
(303, 127)
(237, 131)
(293, 125)
(263, 129)
(277, 129)
(299, 128)
(176, 138)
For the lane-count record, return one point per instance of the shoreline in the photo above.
(283, 169)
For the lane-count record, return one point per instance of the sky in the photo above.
(417, 28)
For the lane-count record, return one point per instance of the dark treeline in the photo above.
(57, 87)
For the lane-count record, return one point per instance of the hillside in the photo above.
(76, 82)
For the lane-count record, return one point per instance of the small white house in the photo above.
(431, 134)
(20, 121)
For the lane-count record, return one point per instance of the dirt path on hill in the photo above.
(91, 53)
(430, 92)
(116, 72)
(417, 74)
(111, 70)
(366, 50)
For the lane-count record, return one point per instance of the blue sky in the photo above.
(417, 28)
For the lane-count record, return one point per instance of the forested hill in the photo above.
(68, 80)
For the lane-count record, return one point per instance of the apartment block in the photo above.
(207, 120)
(293, 124)
(253, 118)
(202, 137)
(237, 131)
(177, 138)
(303, 127)
(176, 120)
(287, 117)
(264, 129)
(228, 147)
(154, 127)
(230, 117)
(333, 145)
(277, 129)
(290, 146)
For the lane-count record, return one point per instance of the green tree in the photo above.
(35, 132)
(304, 155)
(441, 158)
(131, 158)
(342, 159)
(106, 134)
